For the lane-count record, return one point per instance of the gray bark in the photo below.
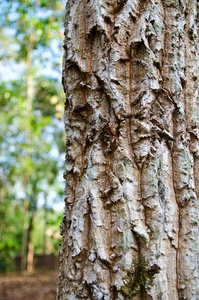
(130, 75)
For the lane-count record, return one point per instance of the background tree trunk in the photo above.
(130, 75)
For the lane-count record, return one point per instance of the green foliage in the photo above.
(20, 19)
(47, 222)
(31, 110)
(138, 277)
(10, 234)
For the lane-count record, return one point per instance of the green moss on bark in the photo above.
(138, 277)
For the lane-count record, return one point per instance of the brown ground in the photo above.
(39, 286)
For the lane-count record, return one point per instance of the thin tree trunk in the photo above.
(30, 252)
(130, 75)
(45, 223)
(24, 236)
(25, 248)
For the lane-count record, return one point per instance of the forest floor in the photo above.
(38, 286)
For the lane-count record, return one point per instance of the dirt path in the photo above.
(39, 286)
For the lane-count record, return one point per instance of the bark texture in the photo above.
(130, 75)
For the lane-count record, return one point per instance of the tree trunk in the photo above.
(26, 249)
(30, 252)
(131, 225)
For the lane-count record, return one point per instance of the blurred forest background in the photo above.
(31, 130)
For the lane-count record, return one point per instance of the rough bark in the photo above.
(130, 75)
